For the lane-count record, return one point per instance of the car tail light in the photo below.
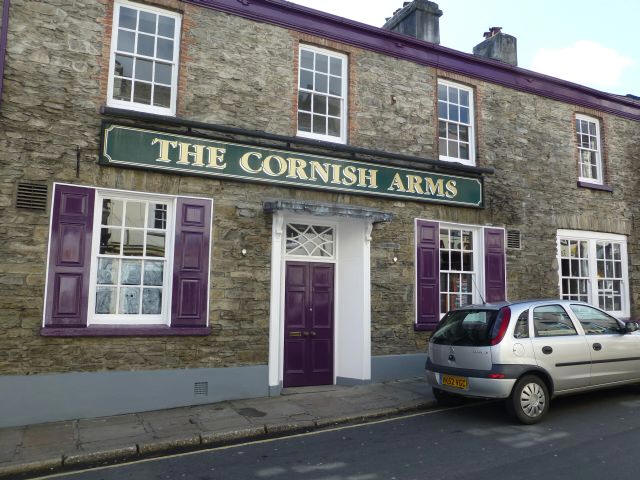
(500, 325)
(496, 375)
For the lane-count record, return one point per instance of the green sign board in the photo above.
(136, 147)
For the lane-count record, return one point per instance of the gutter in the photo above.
(3, 42)
(347, 151)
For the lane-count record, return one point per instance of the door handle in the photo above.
(306, 334)
(313, 334)
(597, 347)
(547, 350)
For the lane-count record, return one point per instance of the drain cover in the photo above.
(251, 412)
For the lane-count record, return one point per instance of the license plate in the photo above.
(455, 382)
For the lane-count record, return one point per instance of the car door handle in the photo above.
(547, 350)
(597, 347)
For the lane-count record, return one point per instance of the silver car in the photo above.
(530, 351)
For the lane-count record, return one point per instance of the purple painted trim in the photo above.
(314, 22)
(595, 186)
(125, 331)
(3, 42)
(421, 327)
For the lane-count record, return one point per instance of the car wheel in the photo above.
(446, 399)
(529, 400)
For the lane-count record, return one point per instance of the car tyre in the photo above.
(529, 400)
(446, 399)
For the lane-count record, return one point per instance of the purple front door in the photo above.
(308, 324)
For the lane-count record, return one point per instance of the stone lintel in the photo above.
(327, 209)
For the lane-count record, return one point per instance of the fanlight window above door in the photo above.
(310, 240)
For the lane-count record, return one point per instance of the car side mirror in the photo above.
(630, 327)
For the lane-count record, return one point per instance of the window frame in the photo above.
(600, 179)
(344, 118)
(115, 320)
(112, 102)
(593, 238)
(472, 127)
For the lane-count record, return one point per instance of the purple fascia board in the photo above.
(321, 24)
(3, 42)
(124, 331)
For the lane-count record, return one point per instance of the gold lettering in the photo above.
(185, 154)
(322, 169)
(436, 188)
(350, 174)
(414, 184)
(296, 168)
(216, 158)
(282, 164)
(335, 174)
(396, 184)
(371, 176)
(164, 149)
(244, 162)
(452, 190)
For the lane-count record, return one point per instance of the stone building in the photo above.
(213, 199)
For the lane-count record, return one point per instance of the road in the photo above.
(591, 436)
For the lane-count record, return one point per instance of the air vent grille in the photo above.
(513, 239)
(32, 196)
(201, 388)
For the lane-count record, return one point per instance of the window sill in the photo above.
(595, 186)
(124, 331)
(417, 327)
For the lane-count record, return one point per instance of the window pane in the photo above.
(322, 63)
(129, 300)
(304, 101)
(467, 262)
(335, 86)
(107, 273)
(442, 147)
(162, 96)
(320, 104)
(306, 79)
(105, 300)
(131, 272)
(127, 18)
(126, 41)
(464, 151)
(453, 112)
(111, 212)
(320, 124)
(145, 45)
(165, 49)
(157, 216)
(452, 131)
(456, 260)
(442, 92)
(464, 133)
(133, 243)
(110, 241)
(444, 238)
(304, 122)
(464, 98)
(306, 59)
(592, 128)
(147, 22)
(336, 66)
(163, 73)
(166, 26)
(321, 82)
(551, 321)
(144, 69)
(456, 240)
(153, 272)
(333, 126)
(123, 66)
(134, 214)
(444, 260)
(334, 107)
(453, 95)
(594, 321)
(453, 149)
(464, 115)
(122, 89)
(442, 110)
(142, 93)
(152, 301)
(155, 244)
(522, 326)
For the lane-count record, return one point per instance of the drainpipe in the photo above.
(3, 41)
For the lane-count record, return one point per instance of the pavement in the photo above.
(80, 443)
(591, 436)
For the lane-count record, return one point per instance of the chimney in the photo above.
(419, 19)
(498, 46)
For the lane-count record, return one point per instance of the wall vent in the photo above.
(32, 196)
(201, 388)
(513, 239)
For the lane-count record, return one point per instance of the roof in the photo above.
(321, 24)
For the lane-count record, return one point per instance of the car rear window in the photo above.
(470, 328)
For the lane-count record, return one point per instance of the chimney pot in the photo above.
(419, 19)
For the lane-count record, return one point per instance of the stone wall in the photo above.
(238, 72)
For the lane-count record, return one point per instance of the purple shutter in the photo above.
(191, 263)
(69, 257)
(494, 265)
(428, 276)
